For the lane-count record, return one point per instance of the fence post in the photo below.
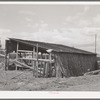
(50, 73)
(17, 53)
(6, 59)
(33, 62)
(37, 62)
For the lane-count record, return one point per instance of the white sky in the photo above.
(71, 25)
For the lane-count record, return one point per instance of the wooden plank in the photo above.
(46, 70)
(42, 60)
(34, 68)
(21, 64)
(25, 51)
(6, 64)
(57, 67)
(50, 65)
(37, 62)
(40, 69)
(17, 53)
(33, 61)
(95, 72)
(6, 55)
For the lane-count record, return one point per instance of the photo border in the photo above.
(89, 95)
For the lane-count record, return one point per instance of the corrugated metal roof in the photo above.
(55, 47)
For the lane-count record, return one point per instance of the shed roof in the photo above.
(55, 47)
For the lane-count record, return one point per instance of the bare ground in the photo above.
(24, 81)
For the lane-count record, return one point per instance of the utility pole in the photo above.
(95, 42)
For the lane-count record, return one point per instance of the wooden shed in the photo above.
(67, 61)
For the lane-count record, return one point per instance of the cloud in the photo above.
(28, 19)
(86, 9)
(78, 20)
(73, 37)
(27, 12)
(96, 19)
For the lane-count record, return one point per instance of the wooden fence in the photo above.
(43, 65)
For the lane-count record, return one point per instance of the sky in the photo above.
(71, 25)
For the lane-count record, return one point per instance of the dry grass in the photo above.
(24, 81)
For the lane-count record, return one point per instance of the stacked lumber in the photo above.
(93, 72)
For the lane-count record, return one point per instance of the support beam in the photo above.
(50, 65)
(6, 59)
(17, 52)
(37, 61)
(46, 69)
(25, 51)
(57, 67)
(41, 60)
(33, 62)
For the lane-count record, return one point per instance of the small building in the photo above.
(67, 61)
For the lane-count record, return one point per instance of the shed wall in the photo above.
(72, 64)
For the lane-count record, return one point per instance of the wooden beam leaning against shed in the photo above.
(57, 64)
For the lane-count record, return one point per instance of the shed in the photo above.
(69, 61)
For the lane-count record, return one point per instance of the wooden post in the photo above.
(58, 71)
(33, 62)
(17, 53)
(6, 64)
(6, 60)
(57, 67)
(50, 65)
(41, 65)
(6, 55)
(37, 62)
(46, 69)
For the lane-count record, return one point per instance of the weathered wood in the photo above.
(41, 69)
(93, 72)
(42, 60)
(6, 62)
(17, 53)
(50, 69)
(37, 62)
(25, 51)
(6, 59)
(58, 67)
(46, 70)
(22, 64)
(33, 61)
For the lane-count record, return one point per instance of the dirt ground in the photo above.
(24, 81)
